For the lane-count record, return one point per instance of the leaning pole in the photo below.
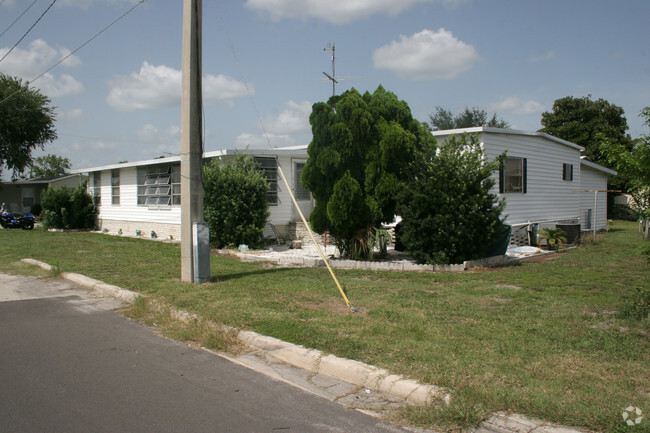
(192, 222)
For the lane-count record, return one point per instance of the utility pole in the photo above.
(194, 235)
(332, 48)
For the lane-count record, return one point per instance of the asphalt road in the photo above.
(68, 363)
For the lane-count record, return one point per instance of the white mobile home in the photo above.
(544, 181)
(143, 197)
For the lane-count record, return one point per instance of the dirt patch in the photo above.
(507, 286)
(337, 306)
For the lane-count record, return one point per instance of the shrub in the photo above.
(64, 208)
(235, 202)
(448, 213)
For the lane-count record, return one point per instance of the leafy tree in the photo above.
(360, 154)
(50, 165)
(64, 208)
(234, 202)
(26, 123)
(448, 213)
(469, 117)
(634, 164)
(581, 120)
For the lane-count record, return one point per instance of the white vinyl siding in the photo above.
(592, 180)
(547, 196)
(128, 210)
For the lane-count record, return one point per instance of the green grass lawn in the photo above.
(552, 339)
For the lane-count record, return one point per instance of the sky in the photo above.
(117, 95)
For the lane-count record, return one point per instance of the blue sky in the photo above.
(118, 98)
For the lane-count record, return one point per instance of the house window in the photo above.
(567, 171)
(513, 175)
(301, 193)
(269, 167)
(159, 186)
(97, 189)
(115, 187)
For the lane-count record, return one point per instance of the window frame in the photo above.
(567, 172)
(300, 192)
(158, 186)
(97, 188)
(505, 185)
(115, 187)
(268, 166)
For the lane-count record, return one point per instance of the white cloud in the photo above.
(515, 105)
(549, 55)
(426, 55)
(150, 134)
(160, 86)
(293, 119)
(38, 57)
(74, 114)
(335, 11)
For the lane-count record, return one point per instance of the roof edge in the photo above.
(489, 129)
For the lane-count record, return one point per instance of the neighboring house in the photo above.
(21, 195)
(144, 196)
(544, 181)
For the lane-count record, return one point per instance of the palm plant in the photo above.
(555, 238)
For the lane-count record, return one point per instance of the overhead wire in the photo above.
(79, 47)
(19, 17)
(27, 32)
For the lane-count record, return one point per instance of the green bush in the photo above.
(64, 208)
(235, 202)
(36, 210)
(448, 213)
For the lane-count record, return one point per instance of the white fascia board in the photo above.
(479, 129)
(598, 167)
(293, 150)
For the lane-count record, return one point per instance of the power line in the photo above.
(80, 46)
(27, 32)
(21, 15)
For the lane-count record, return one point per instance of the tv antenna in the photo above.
(331, 48)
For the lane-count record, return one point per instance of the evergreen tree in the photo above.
(360, 154)
(448, 213)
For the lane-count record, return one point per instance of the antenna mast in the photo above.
(330, 47)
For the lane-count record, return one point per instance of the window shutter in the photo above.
(501, 177)
(525, 174)
(571, 172)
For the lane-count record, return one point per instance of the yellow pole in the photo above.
(313, 238)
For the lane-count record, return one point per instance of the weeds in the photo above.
(183, 327)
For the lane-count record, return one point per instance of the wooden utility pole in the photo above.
(192, 222)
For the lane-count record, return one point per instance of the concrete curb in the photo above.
(355, 372)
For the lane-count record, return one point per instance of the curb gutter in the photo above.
(348, 370)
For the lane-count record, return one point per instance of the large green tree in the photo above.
(448, 213)
(442, 119)
(582, 120)
(361, 152)
(50, 165)
(634, 164)
(26, 123)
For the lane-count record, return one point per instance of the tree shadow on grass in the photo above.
(222, 277)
